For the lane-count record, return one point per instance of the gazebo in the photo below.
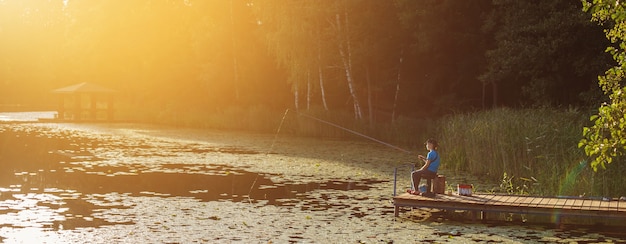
(85, 101)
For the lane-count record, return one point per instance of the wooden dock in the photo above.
(481, 203)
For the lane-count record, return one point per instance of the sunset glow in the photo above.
(154, 50)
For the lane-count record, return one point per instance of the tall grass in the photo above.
(533, 150)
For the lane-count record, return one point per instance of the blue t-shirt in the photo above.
(433, 156)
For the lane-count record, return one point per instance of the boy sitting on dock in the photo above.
(430, 167)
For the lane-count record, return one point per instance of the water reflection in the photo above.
(55, 182)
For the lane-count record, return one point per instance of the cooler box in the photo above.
(464, 189)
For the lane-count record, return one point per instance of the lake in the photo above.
(103, 183)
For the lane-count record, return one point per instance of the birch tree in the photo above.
(344, 45)
(397, 92)
(291, 29)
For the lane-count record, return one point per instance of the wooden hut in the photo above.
(85, 101)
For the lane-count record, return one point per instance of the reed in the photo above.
(534, 149)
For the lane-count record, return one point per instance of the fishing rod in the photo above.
(268, 152)
(355, 132)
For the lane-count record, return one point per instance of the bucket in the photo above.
(422, 188)
(464, 189)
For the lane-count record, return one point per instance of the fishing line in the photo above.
(356, 133)
(324, 122)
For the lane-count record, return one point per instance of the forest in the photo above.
(375, 59)
(392, 69)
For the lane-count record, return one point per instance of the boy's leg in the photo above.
(417, 177)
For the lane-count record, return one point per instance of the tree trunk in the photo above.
(308, 89)
(395, 97)
(234, 53)
(320, 73)
(370, 106)
(296, 96)
(322, 91)
(495, 94)
(484, 95)
(346, 59)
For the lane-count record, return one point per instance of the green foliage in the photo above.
(610, 182)
(510, 187)
(447, 52)
(605, 140)
(538, 49)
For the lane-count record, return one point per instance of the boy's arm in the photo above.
(426, 165)
(426, 162)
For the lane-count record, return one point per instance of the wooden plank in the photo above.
(510, 200)
(535, 202)
(515, 204)
(552, 202)
(543, 203)
(484, 199)
(525, 201)
(560, 202)
(614, 206)
(596, 204)
(467, 199)
(605, 206)
(489, 198)
(548, 202)
(621, 206)
(577, 203)
(587, 204)
(582, 202)
(521, 201)
(568, 203)
(499, 199)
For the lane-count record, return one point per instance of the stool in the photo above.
(429, 185)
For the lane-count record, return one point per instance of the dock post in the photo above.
(395, 178)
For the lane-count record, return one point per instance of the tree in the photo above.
(346, 45)
(30, 37)
(443, 56)
(292, 32)
(605, 140)
(538, 51)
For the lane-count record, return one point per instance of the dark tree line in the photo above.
(377, 60)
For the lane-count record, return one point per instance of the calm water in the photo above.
(26, 116)
(54, 180)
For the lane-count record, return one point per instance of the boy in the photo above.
(430, 167)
